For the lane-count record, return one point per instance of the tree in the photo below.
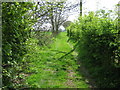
(55, 13)
(67, 23)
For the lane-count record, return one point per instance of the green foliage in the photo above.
(44, 37)
(99, 47)
(16, 25)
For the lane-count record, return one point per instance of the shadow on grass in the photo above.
(85, 75)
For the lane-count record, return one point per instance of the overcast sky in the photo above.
(93, 5)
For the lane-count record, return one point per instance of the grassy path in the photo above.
(49, 72)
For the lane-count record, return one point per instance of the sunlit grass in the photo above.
(48, 71)
(60, 43)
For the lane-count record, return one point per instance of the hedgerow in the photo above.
(98, 48)
(16, 25)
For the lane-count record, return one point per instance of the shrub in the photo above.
(98, 48)
(16, 27)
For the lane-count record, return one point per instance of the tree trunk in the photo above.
(80, 7)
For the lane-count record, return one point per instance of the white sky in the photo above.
(93, 5)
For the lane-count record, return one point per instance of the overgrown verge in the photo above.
(98, 48)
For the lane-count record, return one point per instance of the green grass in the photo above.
(60, 43)
(49, 72)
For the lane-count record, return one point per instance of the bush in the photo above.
(98, 48)
(16, 27)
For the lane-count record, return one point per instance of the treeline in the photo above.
(98, 48)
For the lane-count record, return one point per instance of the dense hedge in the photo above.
(98, 48)
(16, 25)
